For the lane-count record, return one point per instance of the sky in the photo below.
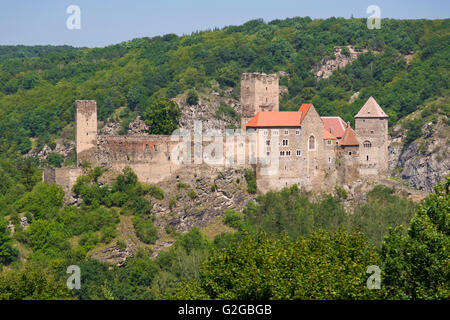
(105, 22)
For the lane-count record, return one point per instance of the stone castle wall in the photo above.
(280, 156)
(86, 129)
(259, 92)
(372, 134)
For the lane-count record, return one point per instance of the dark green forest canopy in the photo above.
(38, 85)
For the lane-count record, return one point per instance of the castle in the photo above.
(282, 147)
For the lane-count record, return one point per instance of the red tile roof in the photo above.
(334, 125)
(328, 136)
(280, 118)
(275, 119)
(304, 108)
(371, 110)
(349, 137)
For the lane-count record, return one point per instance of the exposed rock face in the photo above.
(138, 127)
(110, 129)
(206, 111)
(423, 170)
(63, 147)
(424, 162)
(340, 61)
(112, 254)
(215, 191)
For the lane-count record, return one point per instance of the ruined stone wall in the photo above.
(259, 92)
(372, 134)
(156, 158)
(63, 177)
(86, 130)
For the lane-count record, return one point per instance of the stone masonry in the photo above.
(284, 148)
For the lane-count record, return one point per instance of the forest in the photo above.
(289, 244)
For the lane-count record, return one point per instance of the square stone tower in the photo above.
(371, 127)
(259, 92)
(86, 130)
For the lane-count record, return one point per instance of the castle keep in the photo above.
(283, 147)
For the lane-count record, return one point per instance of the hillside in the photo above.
(37, 94)
(210, 235)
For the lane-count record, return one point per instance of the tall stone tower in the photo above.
(371, 127)
(259, 92)
(86, 130)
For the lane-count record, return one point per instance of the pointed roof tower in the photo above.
(349, 137)
(371, 110)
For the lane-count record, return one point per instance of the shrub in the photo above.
(55, 160)
(145, 230)
(121, 245)
(251, 180)
(181, 185)
(156, 192)
(192, 194)
(192, 98)
(233, 219)
(172, 203)
(341, 193)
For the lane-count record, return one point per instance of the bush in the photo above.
(108, 233)
(55, 160)
(233, 219)
(156, 192)
(251, 180)
(192, 194)
(145, 230)
(172, 203)
(121, 245)
(192, 98)
(181, 185)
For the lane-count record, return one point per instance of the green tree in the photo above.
(323, 266)
(32, 283)
(163, 116)
(7, 252)
(192, 98)
(416, 265)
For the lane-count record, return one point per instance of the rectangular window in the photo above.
(266, 132)
(285, 142)
(329, 141)
(275, 132)
(286, 132)
(267, 142)
(297, 132)
(299, 153)
(329, 160)
(288, 153)
(281, 153)
(268, 153)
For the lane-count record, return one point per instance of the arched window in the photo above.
(367, 144)
(312, 143)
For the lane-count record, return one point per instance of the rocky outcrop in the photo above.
(340, 61)
(63, 147)
(207, 193)
(207, 111)
(423, 163)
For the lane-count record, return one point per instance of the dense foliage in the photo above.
(288, 244)
(38, 90)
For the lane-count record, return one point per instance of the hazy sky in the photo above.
(105, 22)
